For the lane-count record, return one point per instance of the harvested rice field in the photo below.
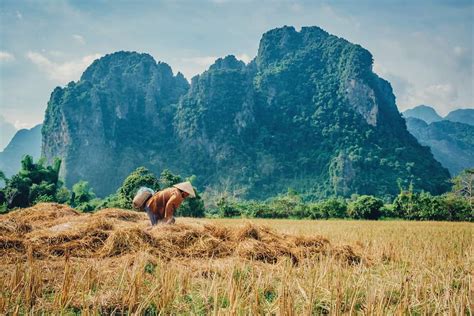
(55, 260)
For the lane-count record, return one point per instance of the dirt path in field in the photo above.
(51, 231)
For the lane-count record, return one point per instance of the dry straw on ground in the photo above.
(51, 231)
(56, 260)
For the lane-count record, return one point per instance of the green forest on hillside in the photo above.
(307, 113)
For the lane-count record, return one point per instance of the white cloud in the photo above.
(338, 18)
(441, 96)
(62, 72)
(19, 15)
(191, 66)
(21, 125)
(379, 69)
(55, 53)
(445, 91)
(459, 51)
(296, 7)
(6, 56)
(79, 39)
(244, 57)
(205, 61)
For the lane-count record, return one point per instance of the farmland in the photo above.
(54, 259)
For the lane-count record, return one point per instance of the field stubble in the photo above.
(54, 259)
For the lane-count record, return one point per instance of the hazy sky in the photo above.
(424, 48)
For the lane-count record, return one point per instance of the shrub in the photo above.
(192, 207)
(81, 193)
(456, 208)
(366, 207)
(333, 208)
(315, 211)
(422, 206)
(256, 209)
(388, 211)
(227, 208)
(141, 177)
(63, 195)
(89, 206)
(286, 205)
(34, 183)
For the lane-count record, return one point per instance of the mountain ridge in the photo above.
(452, 143)
(429, 115)
(307, 112)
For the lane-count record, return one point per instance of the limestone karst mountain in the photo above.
(307, 113)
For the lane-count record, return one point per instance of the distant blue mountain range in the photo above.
(25, 142)
(429, 115)
(451, 138)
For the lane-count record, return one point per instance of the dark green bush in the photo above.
(330, 208)
(34, 183)
(227, 208)
(456, 208)
(141, 177)
(366, 207)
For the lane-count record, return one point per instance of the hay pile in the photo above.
(50, 231)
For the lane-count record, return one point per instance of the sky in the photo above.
(423, 48)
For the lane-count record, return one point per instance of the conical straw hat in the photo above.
(186, 187)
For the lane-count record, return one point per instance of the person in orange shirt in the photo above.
(162, 205)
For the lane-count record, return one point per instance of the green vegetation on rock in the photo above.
(307, 113)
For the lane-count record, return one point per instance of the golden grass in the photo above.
(55, 260)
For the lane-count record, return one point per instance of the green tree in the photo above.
(191, 207)
(63, 195)
(286, 205)
(330, 208)
(3, 177)
(366, 207)
(227, 207)
(456, 208)
(463, 186)
(34, 183)
(81, 193)
(168, 179)
(141, 177)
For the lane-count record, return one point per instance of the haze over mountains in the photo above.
(25, 141)
(465, 116)
(429, 115)
(306, 113)
(451, 138)
(7, 130)
(423, 112)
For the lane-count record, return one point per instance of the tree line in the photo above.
(37, 182)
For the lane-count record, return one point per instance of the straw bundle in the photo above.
(53, 230)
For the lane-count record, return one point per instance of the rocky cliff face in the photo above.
(306, 113)
(117, 116)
